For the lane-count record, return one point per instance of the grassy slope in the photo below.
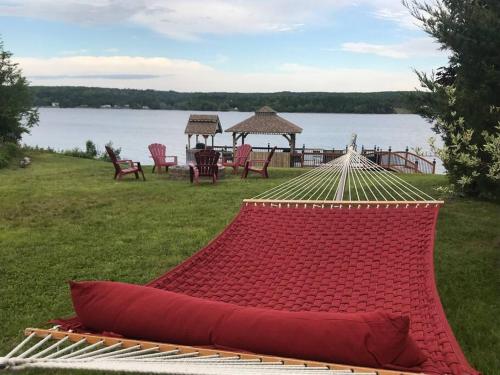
(64, 218)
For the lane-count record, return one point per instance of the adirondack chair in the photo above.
(158, 153)
(133, 167)
(205, 166)
(249, 165)
(239, 160)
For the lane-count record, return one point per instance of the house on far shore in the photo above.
(55, 105)
(106, 106)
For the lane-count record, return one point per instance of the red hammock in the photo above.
(328, 259)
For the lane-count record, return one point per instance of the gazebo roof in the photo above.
(203, 124)
(265, 121)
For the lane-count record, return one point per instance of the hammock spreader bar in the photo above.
(56, 349)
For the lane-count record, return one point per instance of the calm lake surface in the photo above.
(134, 130)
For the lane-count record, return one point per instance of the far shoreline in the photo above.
(224, 111)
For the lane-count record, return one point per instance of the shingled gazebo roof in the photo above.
(203, 125)
(265, 121)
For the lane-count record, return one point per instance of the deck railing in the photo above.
(398, 161)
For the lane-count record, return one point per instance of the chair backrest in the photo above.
(206, 161)
(113, 158)
(269, 157)
(242, 154)
(158, 152)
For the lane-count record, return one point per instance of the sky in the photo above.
(219, 45)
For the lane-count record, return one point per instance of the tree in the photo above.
(17, 114)
(464, 100)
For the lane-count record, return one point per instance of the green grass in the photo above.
(64, 218)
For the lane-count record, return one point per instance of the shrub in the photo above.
(105, 155)
(8, 150)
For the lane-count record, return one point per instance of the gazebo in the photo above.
(265, 121)
(204, 125)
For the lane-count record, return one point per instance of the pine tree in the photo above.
(464, 104)
(17, 114)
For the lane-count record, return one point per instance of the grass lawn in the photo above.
(64, 218)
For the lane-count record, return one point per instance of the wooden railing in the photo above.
(401, 161)
(398, 161)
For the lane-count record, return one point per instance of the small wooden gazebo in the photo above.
(265, 121)
(204, 125)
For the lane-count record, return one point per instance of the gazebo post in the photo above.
(212, 141)
(189, 141)
(206, 138)
(234, 143)
(291, 143)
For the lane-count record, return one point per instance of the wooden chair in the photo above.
(239, 160)
(205, 166)
(133, 167)
(158, 153)
(249, 165)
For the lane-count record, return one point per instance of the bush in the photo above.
(91, 149)
(8, 150)
(105, 155)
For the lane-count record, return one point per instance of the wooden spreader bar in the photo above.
(339, 204)
(164, 347)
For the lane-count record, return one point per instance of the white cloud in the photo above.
(416, 47)
(81, 66)
(187, 75)
(190, 19)
(399, 15)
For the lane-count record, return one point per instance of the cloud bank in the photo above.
(186, 75)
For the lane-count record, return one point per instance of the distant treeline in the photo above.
(319, 102)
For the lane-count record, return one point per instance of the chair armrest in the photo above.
(126, 161)
(250, 162)
(172, 156)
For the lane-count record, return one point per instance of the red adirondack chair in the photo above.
(133, 167)
(249, 165)
(239, 160)
(205, 166)
(158, 153)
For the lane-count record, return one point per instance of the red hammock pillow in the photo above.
(375, 339)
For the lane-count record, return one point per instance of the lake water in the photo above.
(134, 130)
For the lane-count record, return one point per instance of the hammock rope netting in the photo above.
(347, 236)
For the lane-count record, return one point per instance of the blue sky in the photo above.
(219, 45)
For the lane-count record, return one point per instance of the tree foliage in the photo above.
(465, 95)
(17, 114)
(322, 102)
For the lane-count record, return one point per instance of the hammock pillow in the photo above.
(374, 339)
